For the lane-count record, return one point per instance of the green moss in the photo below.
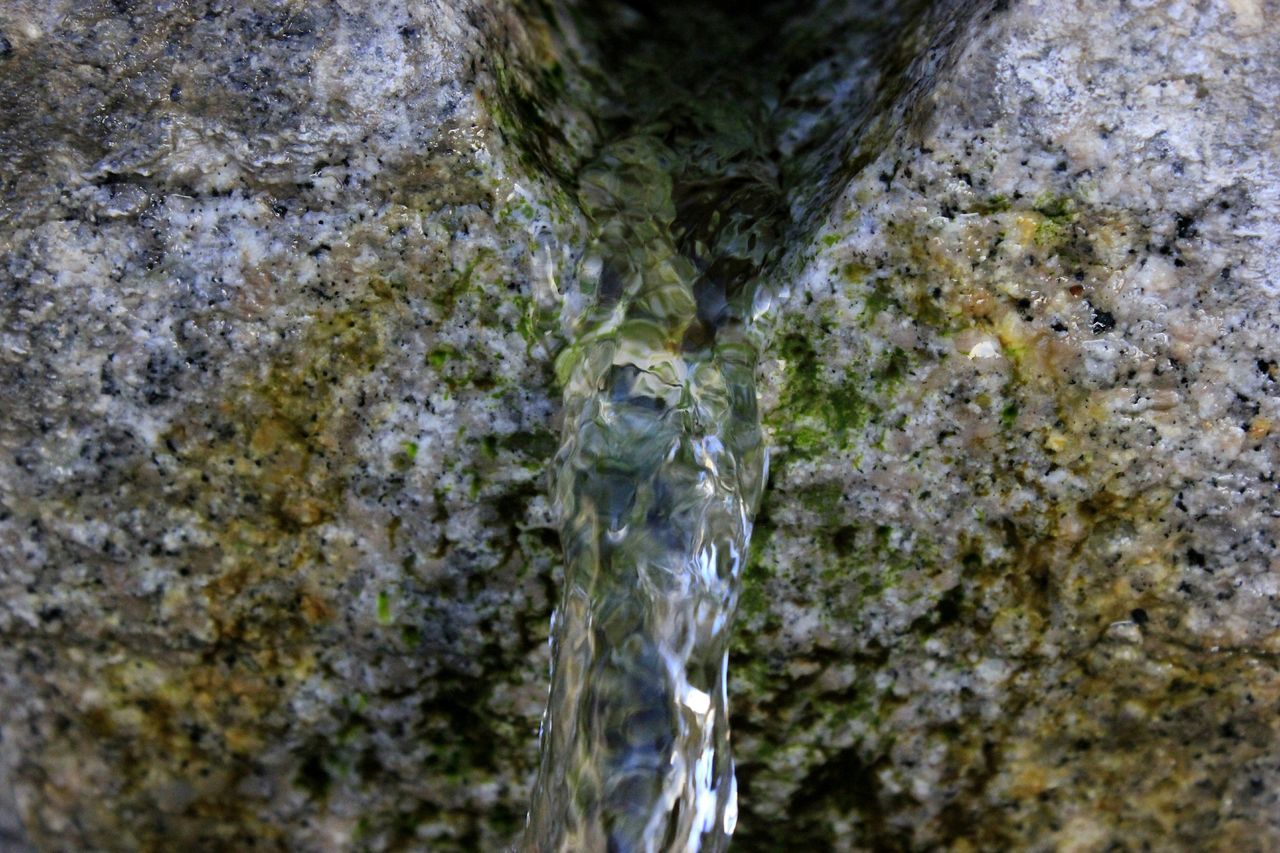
(753, 601)
(529, 325)
(459, 287)
(878, 299)
(994, 204)
(805, 441)
(816, 409)
(761, 673)
(855, 272)
(524, 115)
(384, 608)
(802, 362)
(1048, 233)
(441, 356)
(893, 370)
(823, 499)
(1058, 208)
(910, 297)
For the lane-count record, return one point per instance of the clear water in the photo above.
(662, 460)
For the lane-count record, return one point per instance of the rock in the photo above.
(278, 320)
(1016, 581)
(272, 531)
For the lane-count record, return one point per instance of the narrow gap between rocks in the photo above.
(720, 130)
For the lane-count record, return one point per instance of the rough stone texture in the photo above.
(275, 567)
(1017, 575)
(273, 570)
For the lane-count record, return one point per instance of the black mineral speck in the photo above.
(107, 379)
(1186, 226)
(1138, 615)
(1103, 321)
(6, 47)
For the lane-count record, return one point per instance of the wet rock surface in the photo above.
(276, 563)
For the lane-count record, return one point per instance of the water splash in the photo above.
(659, 475)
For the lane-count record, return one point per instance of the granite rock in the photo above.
(276, 563)
(1016, 579)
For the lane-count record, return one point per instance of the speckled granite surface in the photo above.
(272, 569)
(275, 563)
(1017, 583)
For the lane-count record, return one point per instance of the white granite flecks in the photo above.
(276, 285)
(1028, 507)
(276, 407)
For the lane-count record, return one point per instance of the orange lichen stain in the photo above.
(315, 609)
(262, 469)
(1029, 782)
(242, 740)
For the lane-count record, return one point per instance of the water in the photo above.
(662, 461)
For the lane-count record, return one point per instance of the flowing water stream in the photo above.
(662, 460)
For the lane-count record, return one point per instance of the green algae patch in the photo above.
(1059, 208)
(535, 446)
(815, 407)
(992, 204)
(875, 557)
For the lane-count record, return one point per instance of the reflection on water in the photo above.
(662, 459)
